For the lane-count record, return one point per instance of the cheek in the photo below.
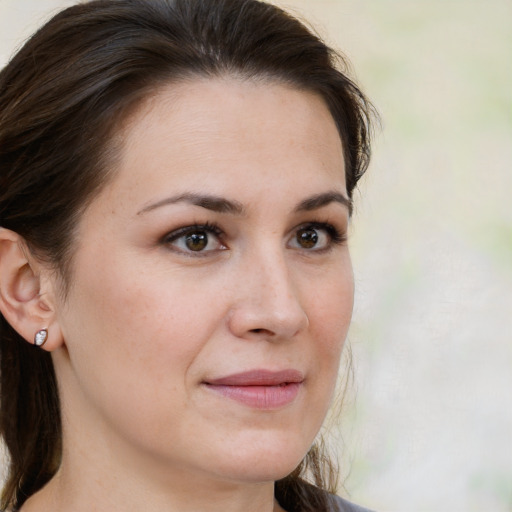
(330, 315)
(130, 341)
(330, 308)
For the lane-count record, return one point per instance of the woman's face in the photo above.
(212, 287)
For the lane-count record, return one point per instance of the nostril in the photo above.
(261, 331)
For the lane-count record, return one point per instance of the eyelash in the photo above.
(336, 237)
(207, 227)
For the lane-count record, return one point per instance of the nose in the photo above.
(267, 303)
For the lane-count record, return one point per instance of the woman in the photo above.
(175, 283)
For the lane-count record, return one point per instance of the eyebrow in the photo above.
(320, 200)
(213, 203)
(222, 205)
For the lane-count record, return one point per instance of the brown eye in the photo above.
(200, 239)
(316, 237)
(307, 238)
(196, 241)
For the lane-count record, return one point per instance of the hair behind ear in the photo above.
(29, 416)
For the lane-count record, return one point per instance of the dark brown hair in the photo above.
(61, 99)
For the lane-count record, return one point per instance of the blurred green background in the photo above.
(428, 421)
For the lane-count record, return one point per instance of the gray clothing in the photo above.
(342, 505)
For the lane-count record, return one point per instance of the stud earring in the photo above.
(41, 337)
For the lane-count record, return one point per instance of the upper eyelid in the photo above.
(179, 232)
(327, 226)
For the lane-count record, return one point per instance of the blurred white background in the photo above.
(428, 426)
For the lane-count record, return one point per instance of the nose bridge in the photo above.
(275, 273)
(269, 304)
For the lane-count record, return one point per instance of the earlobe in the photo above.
(21, 301)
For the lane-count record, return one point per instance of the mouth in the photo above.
(259, 389)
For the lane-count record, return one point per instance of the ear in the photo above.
(27, 297)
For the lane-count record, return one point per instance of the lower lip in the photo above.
(260, 397)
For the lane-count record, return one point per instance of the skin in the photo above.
(147, 321)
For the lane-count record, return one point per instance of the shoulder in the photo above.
(342, 505)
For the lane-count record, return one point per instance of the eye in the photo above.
(316, 237)
(195, 239)
(307, 238)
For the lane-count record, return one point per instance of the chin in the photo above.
(266, 461)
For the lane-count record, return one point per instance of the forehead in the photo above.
(230, 133)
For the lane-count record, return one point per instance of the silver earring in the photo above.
(41, 337)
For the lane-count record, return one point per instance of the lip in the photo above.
(259, 389)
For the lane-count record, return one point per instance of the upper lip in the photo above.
(259, 377)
